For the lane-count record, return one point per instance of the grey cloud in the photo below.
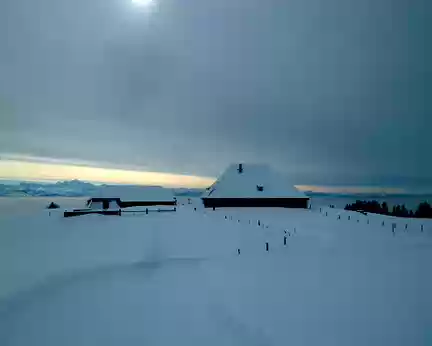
(333, 90)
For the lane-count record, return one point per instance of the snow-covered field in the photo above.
(177, 279)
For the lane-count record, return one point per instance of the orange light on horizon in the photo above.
(28, 168)
(31, 171)
(350, 189)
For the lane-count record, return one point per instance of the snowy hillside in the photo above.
(177, 279)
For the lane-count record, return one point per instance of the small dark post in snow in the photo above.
(406, 226)
(194, 209)
(249, 222)
(238, 251)
(349, 217)
(368, 221)
(238, 221)
(295, 231)
(326, 214)
(267, 246)
(382, 223)
(338, 217)
(49, 213)
(320, 210)
(358, 220)
(393, 228)
(421, 228)
(259, 223)
(284, 240)
(225, 217)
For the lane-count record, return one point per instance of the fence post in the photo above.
(284, 240)
(422, 228)
(267, 246)
(259, 223)
(238, 251)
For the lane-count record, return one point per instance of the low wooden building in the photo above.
(253, 186)
(124, 196)
(98, 203)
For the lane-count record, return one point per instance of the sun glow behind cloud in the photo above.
(142, 2)
(37, 170)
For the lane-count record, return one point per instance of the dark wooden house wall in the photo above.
(145, 204)
(126, 204)
(256, 202)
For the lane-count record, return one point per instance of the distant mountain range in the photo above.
(78, 188)
(71, 188)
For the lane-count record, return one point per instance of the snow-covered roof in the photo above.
(136, 193)
(248, 183)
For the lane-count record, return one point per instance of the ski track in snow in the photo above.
(177, 279)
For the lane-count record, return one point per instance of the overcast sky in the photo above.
(326, 90)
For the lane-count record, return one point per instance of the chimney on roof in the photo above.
(240, 168)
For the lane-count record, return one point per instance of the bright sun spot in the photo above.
(142, 2)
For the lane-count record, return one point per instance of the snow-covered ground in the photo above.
(177, 278)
